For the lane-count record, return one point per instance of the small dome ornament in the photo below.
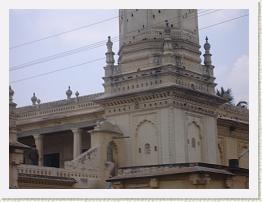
(38, 101)
(109, 44)
(109, 54)
(11, 94)
(77, 94)
(207, 55)
(207, 45)
(34, 99)
(69, 93)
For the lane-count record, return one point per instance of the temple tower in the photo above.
(159, 94)
(142, 33)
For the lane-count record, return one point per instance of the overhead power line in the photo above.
(222, 22)
(91, 61)
(85, 48)
(60, 55)
(73, 30)
(62, 33)
(58, 70)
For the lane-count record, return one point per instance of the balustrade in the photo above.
(84, 102)
(55, 172)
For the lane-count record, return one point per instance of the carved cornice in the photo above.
(157, 34)
(161, 97)
(233, 113)
(157, 71)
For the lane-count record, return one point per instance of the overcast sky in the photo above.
(229, 47)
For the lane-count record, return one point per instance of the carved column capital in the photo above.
(76, 130)
(38, 136)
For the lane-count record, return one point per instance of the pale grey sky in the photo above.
(229, 46)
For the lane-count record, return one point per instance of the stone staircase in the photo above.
(82, 172)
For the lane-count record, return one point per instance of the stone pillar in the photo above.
(77, 142)
(39, 146)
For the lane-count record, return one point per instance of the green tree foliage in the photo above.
(227, 94)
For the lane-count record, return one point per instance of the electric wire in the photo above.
(95, 60)
(71, 30)
(58, 70)
(62, 33)
(222, 22)
(82, 48)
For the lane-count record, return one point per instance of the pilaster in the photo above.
(39, 146)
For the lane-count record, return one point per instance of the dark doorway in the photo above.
(51, 160)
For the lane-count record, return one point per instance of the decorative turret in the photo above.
(34, 99)
(11, 94)
(207, 55)
(12, 116)
(109, 58)
(168, 51)
(69, 93)
(109, 54)
(209, 68)
(16, 149)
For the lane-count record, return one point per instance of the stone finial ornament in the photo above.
(11, 94)
(109, 44)
(34, 99)
(69, 93)
(207, 45)
(77, 95)
(109, 54)
(207, 55)
(38, 101)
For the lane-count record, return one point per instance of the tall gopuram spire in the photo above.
(161, 97)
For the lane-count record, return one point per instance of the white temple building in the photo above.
(158, 124)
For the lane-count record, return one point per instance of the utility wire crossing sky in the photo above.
(29, 75)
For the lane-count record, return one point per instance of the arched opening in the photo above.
(146, 144)
(194, 143)
(111, 152)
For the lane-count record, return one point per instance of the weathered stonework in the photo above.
(158, 123)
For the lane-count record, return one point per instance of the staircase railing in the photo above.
(87, 161)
